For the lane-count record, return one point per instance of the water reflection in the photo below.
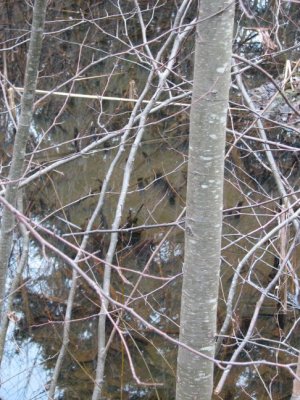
(24, 374)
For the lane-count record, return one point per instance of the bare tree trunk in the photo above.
(16, 170)
(17, 278)
(296, 383)
(205, 198)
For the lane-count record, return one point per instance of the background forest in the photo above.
(103, 189)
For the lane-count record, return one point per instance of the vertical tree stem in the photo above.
(205, 198)
(16, 169)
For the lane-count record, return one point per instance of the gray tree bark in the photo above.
(16, 169)
(17, 279)
(205, 198)
(296, 383)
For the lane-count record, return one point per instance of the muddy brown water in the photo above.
(44, 301)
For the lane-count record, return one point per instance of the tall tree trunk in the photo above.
(16, 169)
(205, 198)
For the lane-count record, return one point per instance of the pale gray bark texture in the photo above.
(296, 383)
(15, 173)
(205, 198)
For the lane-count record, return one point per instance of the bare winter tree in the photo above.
(18, 156)
(204, 199)
(98, 214)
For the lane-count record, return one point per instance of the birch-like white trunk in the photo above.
(205, 198)
(16, 169)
